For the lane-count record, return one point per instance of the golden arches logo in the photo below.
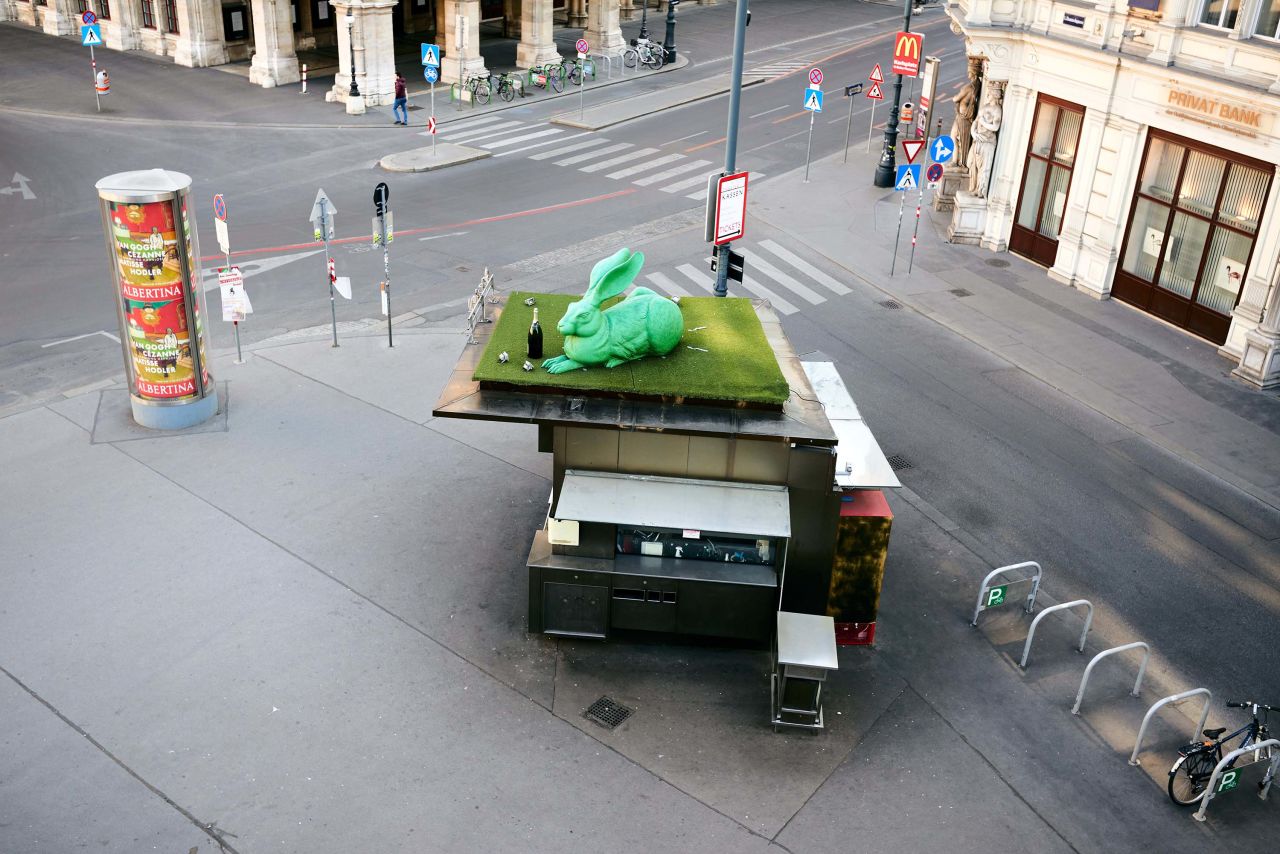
(908, 47)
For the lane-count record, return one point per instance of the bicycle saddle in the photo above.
(1214, 733)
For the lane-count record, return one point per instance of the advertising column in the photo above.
(156, 284)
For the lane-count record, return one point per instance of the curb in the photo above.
(427, 159)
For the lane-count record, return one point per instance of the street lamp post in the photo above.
(669, 43)
(351, 22)
(887, 167)
(644, 19)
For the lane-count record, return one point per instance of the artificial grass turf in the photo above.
(738, 364)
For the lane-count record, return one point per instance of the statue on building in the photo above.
(966, 101)
(982, 148)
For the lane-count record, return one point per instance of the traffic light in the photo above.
(737, 264)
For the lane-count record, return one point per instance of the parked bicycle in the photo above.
(505, 86)
(571, 70)
(1189, 776)
(645, 52)
(479, 86)
(547, 77)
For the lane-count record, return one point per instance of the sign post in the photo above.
(583, 49)
(876, 96)
(322, 211)
(849, 92)
(228, 276)
(908, 176)
(812, 103)
(431, 72)
(91, 35)
(383, 235)
(928, 92)
(462, 51)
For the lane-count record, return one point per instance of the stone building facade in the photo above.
(1136, 157)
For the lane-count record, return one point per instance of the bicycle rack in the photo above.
(475, 305)
(1137, 685)
(1209, 793)
(1175, 698)
(1031, 634)
(1031, 599)
(608, 62)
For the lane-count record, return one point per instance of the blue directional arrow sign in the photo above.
(431, 54)
(91, 35)
(908, 177)
(943, 149)
(431, 73)
(813, 100)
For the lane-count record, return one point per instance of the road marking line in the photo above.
(513, 140)
(645, 167)
(787, 281)
(698, 277)
(591, 155)
(450, 234)
(790, 117)
(803, 266)
(545, 155)
(683, 138)
(767, 112)
(776, 141)
(666, 284)
(687, 183)
(698, 196)
(764, 293)
(551, 153)
(78, 337)
(704, 145)
(614, 161)
(481, 133)
(671, 173)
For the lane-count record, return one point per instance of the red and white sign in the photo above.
(582, 46)
(731, 208)
(815, 76)
(911, 148)
(231, 277)
(877, 76)
(431, 125)
(907, 50)
(333, 270)
(874, 92)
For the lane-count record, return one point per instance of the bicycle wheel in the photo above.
(1189, 777)
(555, 82)
(482, 93)
(630, 57)
(653, 58)
(506, 90)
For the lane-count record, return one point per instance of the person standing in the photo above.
(399, 107)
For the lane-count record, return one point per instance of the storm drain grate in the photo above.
(891, 303)
(898, 462)
(997, 262)
(961, 292)
(607, 713)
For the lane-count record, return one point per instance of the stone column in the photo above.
(577, 13)
(274, 60)
(200, 38)
(7, 10)
(1019, 109)
(1255, 321)
(122, 31)
(1071, 229)
(627, 10)
(473, 62)
(604, 32)
(60, 18)
(1260, 356)
(537, 46)
(374, 54)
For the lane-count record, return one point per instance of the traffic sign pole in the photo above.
(848, 129)
(919, 195)
(731, 132)
(433, 115)
(324, 229)
(897, 237)
(381, 196)
(93, 66)
(871, 124)
(809, 149)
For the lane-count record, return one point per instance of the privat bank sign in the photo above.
(1243, 116)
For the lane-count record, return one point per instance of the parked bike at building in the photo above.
(1189, 776)
(645, 52)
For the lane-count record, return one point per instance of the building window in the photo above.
(1192, 230)
(82, 6)
(1051, 154)
(1269, 19)
(170, 16)
(148, 15)
(1220, 13)
(105, 9)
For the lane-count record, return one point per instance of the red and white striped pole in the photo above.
(304, 78)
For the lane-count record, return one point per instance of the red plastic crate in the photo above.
(855, 634)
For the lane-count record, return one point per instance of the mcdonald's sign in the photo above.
(907, 50)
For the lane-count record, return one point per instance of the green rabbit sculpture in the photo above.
(641, 325)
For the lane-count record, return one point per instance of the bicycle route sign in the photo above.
(431, 73)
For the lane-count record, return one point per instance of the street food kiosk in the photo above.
(685, 514)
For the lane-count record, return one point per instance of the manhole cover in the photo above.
(413, 108)
(997, 262)
(961, 292)
(898, 462)
(891, 303)
(607, 713)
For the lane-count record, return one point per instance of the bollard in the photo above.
(304, 78)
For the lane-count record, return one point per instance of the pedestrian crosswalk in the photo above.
(772, 272)
(668, 171)
(775, 69)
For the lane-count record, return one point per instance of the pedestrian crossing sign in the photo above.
(813, 100)
(908, 177)
(91, 35)
(431, 54)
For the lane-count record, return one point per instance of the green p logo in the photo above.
(995, 596)
(1228, 781)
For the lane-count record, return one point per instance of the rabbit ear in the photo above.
(614, 274)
